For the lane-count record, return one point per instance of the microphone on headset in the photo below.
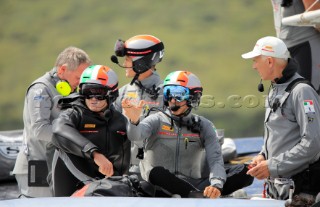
(114, 59)
(260, 86)
(174, 108)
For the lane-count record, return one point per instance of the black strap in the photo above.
(295, 82)
(145, 51)
(289, 88)
(154, 92)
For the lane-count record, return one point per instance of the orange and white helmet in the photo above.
(146, 51)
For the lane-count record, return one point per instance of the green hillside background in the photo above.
(206, 37)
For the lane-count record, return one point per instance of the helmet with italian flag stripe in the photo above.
(189, 87)
(99, 80)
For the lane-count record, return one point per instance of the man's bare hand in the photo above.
(105, 166)
(260, 171)
(131, 110)
(211, 192)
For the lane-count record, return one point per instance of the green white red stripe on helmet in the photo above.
(99, 74)
(183, 78)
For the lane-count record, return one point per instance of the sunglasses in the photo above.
(97, 91)
(98, 97)
(179, 93)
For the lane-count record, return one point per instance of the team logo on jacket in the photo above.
(121, 133)
(167, 128)
(89, 126)
(131, 95)
(308, 106)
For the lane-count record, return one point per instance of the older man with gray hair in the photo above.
(33, 164)
(289, 159)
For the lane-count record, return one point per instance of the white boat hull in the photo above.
(138, 202)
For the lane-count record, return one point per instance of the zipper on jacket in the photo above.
(142, 92)
(266, 141)
(108, 140)
(176, 167)
(186, 141)
(144, 112)
(274, 93)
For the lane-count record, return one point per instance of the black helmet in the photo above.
(146, 51)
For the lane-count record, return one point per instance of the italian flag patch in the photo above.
(308, 106)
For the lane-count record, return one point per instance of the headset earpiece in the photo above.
(63, 87)
(141, 65)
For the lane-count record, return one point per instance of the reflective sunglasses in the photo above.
(92, 88)
(179, 93)
(97, 91)
(98, 97)
(119, 48)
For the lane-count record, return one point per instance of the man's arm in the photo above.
(144, 129)
(307, 149)
(39, 112)
(213, 153)
(68, 138)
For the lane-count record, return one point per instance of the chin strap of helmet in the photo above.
(136, 76)
(172, 118)
(154, 92)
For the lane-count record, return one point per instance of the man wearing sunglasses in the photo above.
(182, 152)
(141, 54)
(89, 133)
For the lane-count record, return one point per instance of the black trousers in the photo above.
(308, 181)
(65, 182)
(236, 179)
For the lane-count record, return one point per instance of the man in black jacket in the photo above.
(89, 134)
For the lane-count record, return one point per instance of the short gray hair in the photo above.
(72, 57)
(281, 61)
